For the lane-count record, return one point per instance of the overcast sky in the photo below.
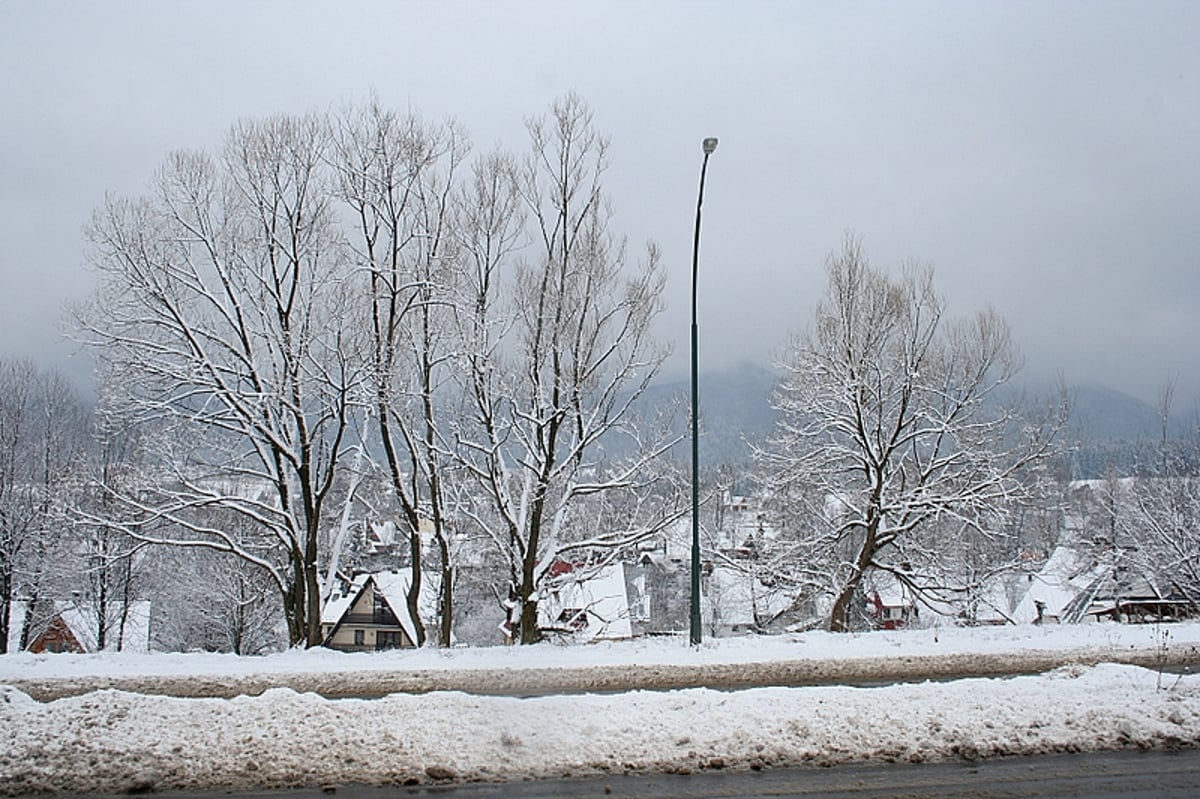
(1043, 156)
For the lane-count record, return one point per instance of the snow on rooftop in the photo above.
(740, 598)
(338, 604)
(1067, 572)
(125, 628)
(393, 586)
(597, 605)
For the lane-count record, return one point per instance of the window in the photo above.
(382, 612)
(388, 640)
(360, 638)
(574, 619)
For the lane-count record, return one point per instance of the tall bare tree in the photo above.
(1163, 525)
(221, 315)
(561, 349)
(43, 439)
(111, 561)
(895, 443)
(398, 175)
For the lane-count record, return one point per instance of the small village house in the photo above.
(75, 627)
(371, 614)
(586, 603)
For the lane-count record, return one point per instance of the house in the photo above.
(659, 593)
(890, 603)
(586, 603)
(991, 602)
(742, 528)
(1121, 595)
(1078, 584)
(1051, 592)
(72, 626)
(56, 637)
(734, 602)
(371, 614)
(1064, 588)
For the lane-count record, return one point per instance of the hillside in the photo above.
(1108, 429)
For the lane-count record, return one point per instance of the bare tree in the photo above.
(1163, 526)
(109, 571)
(18, 500)
(221, 315)
(212, 601)
(398, 177)
(560, 350)
(43, 438)
(895, 443)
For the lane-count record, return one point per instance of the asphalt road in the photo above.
(1104, 775)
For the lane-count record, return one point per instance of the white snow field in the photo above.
(112, 741)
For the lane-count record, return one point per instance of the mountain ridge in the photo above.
(735, 409)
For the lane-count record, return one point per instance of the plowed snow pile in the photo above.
(116, 741)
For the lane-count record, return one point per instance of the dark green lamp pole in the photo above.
(710, 144)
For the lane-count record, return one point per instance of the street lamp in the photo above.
(710, 144)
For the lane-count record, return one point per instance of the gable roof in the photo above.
(742, 599)
(129, 630)
(392, 586)
(1067, 573)
(599, 598)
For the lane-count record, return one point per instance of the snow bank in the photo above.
(125, 740)
(809, 659)
(934, 641)
(111, 741)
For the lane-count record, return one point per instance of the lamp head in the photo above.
(710, 144)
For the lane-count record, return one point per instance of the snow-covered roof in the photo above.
(995, 599)
(891, 592)
(1068, 572)
(738, 596)
(130, 631)
(339, 603)
(599, 599)
(393, 587)
(383, 534)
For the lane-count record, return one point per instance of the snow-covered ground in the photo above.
(113, 741)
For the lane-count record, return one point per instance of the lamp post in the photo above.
(710, 144)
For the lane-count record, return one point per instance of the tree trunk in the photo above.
(5, 608)
(126, 599)
(413, 600)
(531, 633)
(447, 598)
(102, 608)
(27, 624)
(294, 604)
(839, 616)
(312, 605)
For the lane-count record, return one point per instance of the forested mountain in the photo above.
(735, 407)
(1109, 430)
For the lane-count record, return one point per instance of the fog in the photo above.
(1042, 156)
